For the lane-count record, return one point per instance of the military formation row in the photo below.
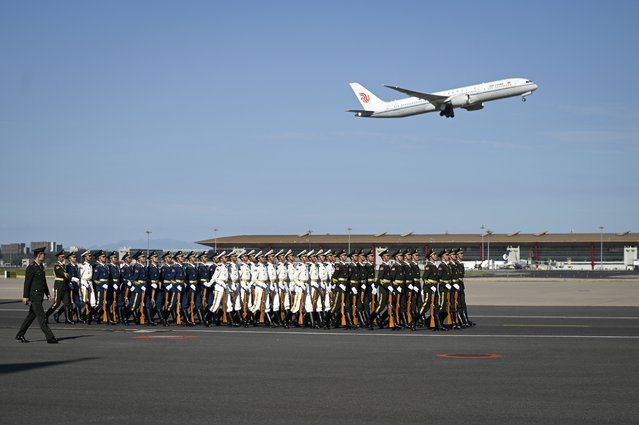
(243, 288)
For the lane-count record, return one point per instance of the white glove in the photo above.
(433, 289)
(390, 290)
(448, 286)
(128, 283)
(168, 287)
(315, 285)
(411, 287)
(75, 280)
(208, 284)
(179, 288)
(416, 289)
(192, 287)
(456, 286)
(374, 290)
(143, 288)
(234, 287)
(115, 287)
(342, 287)
(354, 290)
(363, 287)
(105, 286)
(399, 289)
(154, 285)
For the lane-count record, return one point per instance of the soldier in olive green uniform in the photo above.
(61, 291)
(462, 308)
(431, 299)
(384, 289)
(398, 280)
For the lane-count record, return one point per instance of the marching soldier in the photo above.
(463, 308)
(415, 290)
(244, 271)
(406, 294)
(431, 299)
(260, 279)
(35, 289)
(220, 278)
(203, 278)
(126, 274)
(153, 300)
(86, 286)
(398, 278)
(179, 291)
(384, 290)
(282, 281)
(312, 294)
(340, 295)
(301, 280)
(190, 283)
(322, 274)
(368, 275)
(114, 286)
(272, 303)
(233, 291)
(354, 278)
(74, 285)
(454, 291)
(291, 271)
(101, 281)
(138, 288)
(60, 291)
(167, 276)
(330, 270)
(445, 286)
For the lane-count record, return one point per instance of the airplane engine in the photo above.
(460, 100)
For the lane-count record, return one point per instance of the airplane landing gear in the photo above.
(523, 99)
(448, 112)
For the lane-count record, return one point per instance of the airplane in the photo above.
(470, 98)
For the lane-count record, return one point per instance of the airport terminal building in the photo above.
(583, 250)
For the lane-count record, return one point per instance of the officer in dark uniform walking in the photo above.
(60, 291)
(35, 289)
(398, 280)
(153, 300)
(430, 306)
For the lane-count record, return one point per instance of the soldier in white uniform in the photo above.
(330, 269)
(260, 279)
(233, 291)
(86, 286)
(312, 292)
(272, 303)
(323, 298)
(301, 283)
(292, 278)
(282, 282)
(242, 302)
(220, 280)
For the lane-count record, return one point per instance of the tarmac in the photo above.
(529, 360)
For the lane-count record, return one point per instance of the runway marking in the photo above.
(549, 326)
(562, 317)
(469, 356)
(164, 337)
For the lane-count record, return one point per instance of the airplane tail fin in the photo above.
(369, 101)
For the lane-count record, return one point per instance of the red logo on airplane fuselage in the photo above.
(364, 97)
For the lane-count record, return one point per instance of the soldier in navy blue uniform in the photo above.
(138, 287)
(190, 291)
(178, 287)
(167, 274)
(114, 286)
(126, 274)
(203, 278)
(35, 289)
(153, 301)
(74, 285)
(101, 281)
(444, 289)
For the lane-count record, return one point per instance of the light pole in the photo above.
(488, 233)
(601, 228)
(148, 242)
(481, 257)
(215, 240)
(349, 238)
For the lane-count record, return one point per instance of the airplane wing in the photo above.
(432, 98)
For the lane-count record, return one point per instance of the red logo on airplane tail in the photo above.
(364, 97)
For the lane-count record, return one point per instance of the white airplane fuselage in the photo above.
(470, 98)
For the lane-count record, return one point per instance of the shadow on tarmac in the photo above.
(22, 367)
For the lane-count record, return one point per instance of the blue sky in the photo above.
(181, 117)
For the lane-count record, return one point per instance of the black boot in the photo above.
(149, 315)
(56, 315)
(404, 318)
(67, 316)
(371, 320)
(267, 316)
(469, 323)
(311, 319)
(327, 319)
(287, 319)
(362, 319)
(438, 322)
(256, 318)
(276, 319)
(381, 320)
(200, 317)
(349, 321)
